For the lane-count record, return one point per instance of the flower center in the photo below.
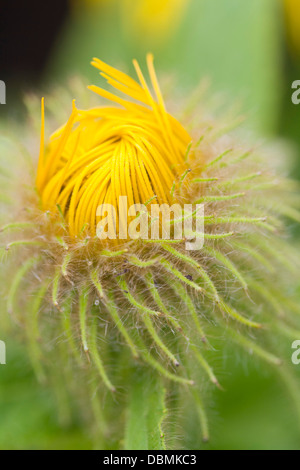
(104, 153)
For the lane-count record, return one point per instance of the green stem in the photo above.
(145, 413)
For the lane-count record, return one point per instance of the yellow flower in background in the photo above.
(292, 12)
(154, 19)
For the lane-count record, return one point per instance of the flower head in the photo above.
(149, 305)
(104, 153)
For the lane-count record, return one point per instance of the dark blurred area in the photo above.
(28, 34)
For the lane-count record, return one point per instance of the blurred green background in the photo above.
(250, 51)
